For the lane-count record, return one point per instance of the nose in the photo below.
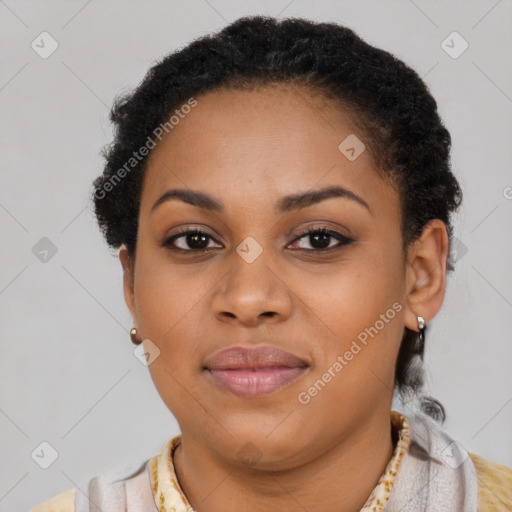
(252, 293)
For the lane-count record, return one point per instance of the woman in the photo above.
(281, 195)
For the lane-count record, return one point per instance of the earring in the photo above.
(133, 336)
(422, 326)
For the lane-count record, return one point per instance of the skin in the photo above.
(248, 149)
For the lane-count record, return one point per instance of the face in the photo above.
(253, 277)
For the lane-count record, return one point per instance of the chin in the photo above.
(267, 448)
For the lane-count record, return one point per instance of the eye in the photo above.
(194, 240)
(320, 239)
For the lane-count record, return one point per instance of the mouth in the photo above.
(256, 382)
(254, 372)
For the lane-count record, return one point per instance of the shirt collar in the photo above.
(379, 496)
(169, 496)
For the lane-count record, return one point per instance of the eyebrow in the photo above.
(283, 205)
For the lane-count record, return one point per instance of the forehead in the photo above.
(276, 138)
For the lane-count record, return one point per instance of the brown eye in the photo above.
(193, 240)
(320, 239)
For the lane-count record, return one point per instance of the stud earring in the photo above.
(133, 336)
(422, 326)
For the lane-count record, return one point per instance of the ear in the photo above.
(128, 279)
(426, 273)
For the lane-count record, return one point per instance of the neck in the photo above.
(341, 478)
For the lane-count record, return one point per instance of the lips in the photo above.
(237, 358)
(256, 371)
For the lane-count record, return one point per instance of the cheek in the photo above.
(356, 356)
(167, 297)
(352, 297)
(169, 305)
(360, 308)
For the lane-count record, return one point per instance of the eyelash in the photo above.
(343, 240)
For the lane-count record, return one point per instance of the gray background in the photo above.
(68, 373)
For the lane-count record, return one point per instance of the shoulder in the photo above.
(128, 487)
(494, 485)
(63, 502)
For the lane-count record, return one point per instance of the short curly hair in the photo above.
(387, 100)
